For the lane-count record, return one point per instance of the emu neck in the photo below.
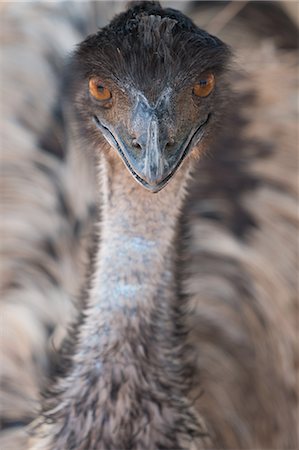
(138, 228)
(132, 296)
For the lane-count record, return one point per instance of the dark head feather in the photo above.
(147, 44)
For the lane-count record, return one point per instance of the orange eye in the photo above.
(205, 86)
(98, 90)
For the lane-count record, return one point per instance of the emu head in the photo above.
(152, 84)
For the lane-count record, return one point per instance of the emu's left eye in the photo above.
(204, 86)
(98, 90)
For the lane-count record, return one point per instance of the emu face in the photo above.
(151, 83)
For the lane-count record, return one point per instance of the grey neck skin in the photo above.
(127, 385)
(133, 286)
(137, 231)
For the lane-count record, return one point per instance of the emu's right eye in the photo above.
(98, 90)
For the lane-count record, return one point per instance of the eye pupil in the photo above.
(100, 88)
(203, 82)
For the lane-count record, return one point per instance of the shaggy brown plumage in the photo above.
(242, 288)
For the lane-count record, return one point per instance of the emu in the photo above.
(144, 323)
(145, 92)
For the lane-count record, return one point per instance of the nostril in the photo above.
(169, 144)
(136, 144)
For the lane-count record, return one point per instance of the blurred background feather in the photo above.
(241, 218)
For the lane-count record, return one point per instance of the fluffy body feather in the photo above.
(241, 288)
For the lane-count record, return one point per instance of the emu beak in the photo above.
(150, 157)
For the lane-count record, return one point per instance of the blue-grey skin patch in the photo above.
(114, 288)
(124, 290)
(164, 98)
(141, 244)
